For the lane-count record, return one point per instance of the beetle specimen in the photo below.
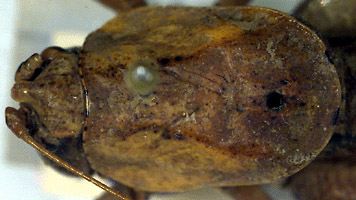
(174, 99)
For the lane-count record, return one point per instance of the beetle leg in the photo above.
(247, 193)
(232, 2)
(123, 5)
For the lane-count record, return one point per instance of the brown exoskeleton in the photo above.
(333, 174)
(173, 99)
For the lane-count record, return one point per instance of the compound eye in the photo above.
(142, 78)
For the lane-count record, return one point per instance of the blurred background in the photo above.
(27, 27)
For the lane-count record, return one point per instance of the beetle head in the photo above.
(50, 94)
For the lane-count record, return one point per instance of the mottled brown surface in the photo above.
(326, 181)
(333, 175)
(331, 18)
(246, 96)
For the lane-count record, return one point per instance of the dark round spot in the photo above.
(275, 101)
